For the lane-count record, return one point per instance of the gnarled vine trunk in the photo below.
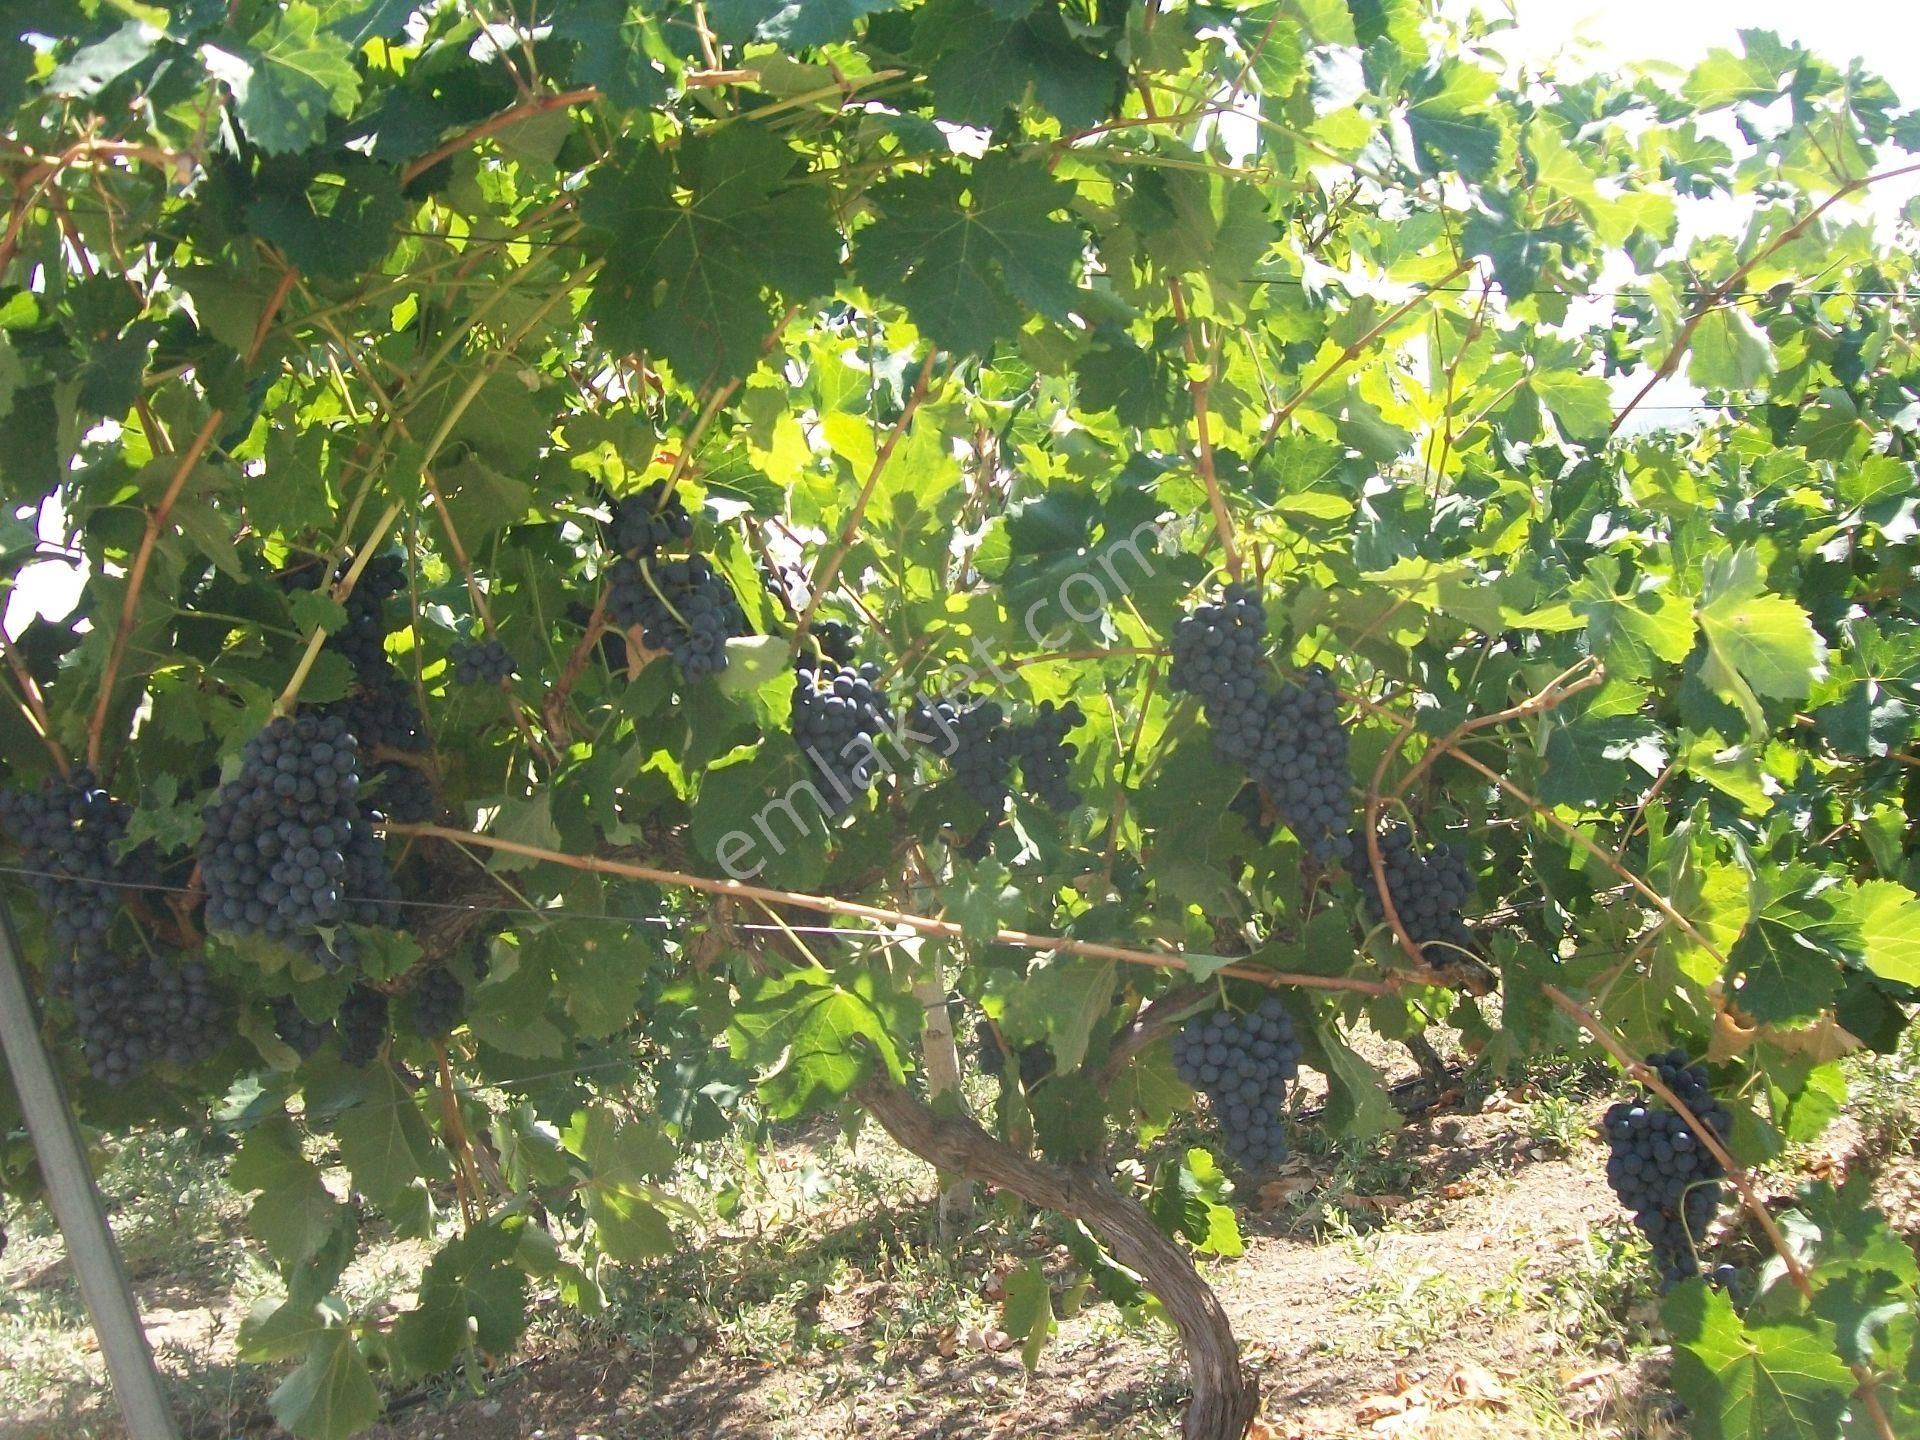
(1224, 1396)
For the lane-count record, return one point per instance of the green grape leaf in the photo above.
(1634, 626)
(385, 1143)
(980, 64)
(1454, 119)
(295, 1214)
(1765, 1382)
(331, 1395)
(1730, 352)
(473, 1295)
(1060, 1002)
(287, 79)
(334, 225)
(1888, 915)
(797, 1032)
(630, 1212)
(1757, 644)
(619, 52)
(689, 279)
(1027, 1314)
(971, 254)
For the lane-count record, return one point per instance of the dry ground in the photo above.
(1469, 1276)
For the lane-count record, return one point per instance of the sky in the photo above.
(1887, 32)
(1588, 35)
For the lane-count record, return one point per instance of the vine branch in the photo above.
(851, 529)
(858, 910)
(157, 523)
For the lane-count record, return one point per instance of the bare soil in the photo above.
(1471, 1279)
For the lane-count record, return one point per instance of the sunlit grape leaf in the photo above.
(1767, 1382)
(287, 79)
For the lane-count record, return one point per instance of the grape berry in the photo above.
(482, 662)
(1243, 1063)
(1660, 1169)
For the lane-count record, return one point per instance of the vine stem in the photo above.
(857, 910)
(851, 529)
(1737, 1176)
(157, 523)
(290, 696)
(466, 1181)
(1347, 356)
(1199, 388)
(34, 703)
(1717, 297)
(493, 124)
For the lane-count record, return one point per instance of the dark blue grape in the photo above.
(1243, 1064)
(1660, 1169)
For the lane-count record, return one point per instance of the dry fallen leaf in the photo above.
(1276, 1193)
(1473, 1384)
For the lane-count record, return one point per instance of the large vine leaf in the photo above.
(972, 253)
(287, 78)
(690, 279)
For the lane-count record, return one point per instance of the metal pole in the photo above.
(76, 1204)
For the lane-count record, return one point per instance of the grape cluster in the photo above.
(483, 662)
(682, 606)
(67, 831)
(645, 523)
(1036, 1059)
(838, 712)
(1045, 759)
(291, 1024)
(383, 716)
(1243, 1063)
(1288, 739)
(363, 1025)
(381, 710)
(837, 641)
(1428, 891)
(288, 851)
(362, 639)
(1660, 1169)
(439, 1003)
(130, 1016)
(976, 746)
